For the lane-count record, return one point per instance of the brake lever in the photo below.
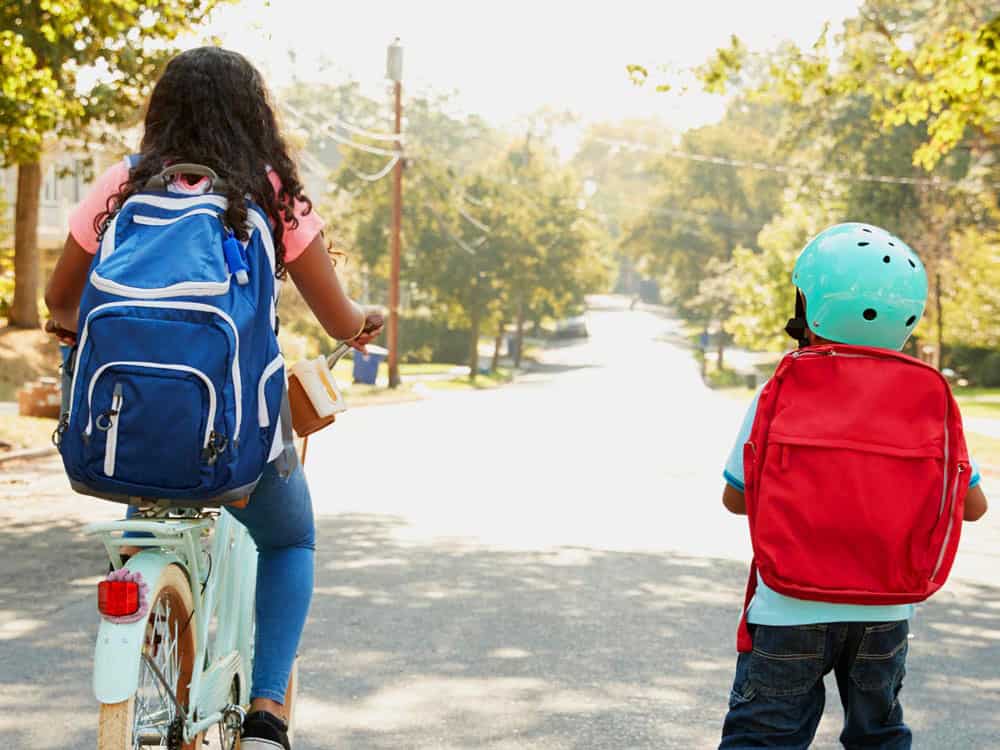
(337, 354)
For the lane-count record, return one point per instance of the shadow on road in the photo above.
(448, 644)
(456, 646)
(48, 622)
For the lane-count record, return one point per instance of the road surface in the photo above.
(541, 566)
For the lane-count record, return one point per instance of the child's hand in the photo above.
(374, 321)
(66, 337)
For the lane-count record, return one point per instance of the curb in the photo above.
(30, 453)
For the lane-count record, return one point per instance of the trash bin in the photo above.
(366, 365)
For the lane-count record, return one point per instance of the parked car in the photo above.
(572, 328)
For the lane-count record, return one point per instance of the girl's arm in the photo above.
(62, 295)
(314, 275)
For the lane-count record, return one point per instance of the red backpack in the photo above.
(856, 476)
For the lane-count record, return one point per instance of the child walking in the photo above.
(851, 466)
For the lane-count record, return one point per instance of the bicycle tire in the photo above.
(116, 721)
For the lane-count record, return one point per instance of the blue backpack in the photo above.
(178, 385)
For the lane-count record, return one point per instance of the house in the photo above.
(65, 182)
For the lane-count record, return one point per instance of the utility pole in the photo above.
(394, 71)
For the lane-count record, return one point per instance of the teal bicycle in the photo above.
(175, 646)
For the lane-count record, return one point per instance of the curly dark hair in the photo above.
(211, 107)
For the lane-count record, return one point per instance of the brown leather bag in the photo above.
(305, 420)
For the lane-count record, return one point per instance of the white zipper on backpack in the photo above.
(180, 289)
(272, 367)
(951, 520)
(111, 448)
(159, 221)
(237, 383)
(209, 426)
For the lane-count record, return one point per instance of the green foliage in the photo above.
(48, 44)
(972, 295)
(485, 240)
(425, 339)
(701, 211)
(920, 64)
(981, 366)
(760, 282)
(6, 261)
(907, 88)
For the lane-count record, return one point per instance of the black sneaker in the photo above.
(263, 730)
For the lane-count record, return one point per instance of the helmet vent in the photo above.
(886, 259)
(866, 229)
(870, 314)
(892, 244)
(910, 320)
(862, 244)
(911, 262)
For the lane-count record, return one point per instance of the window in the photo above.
(50, 186)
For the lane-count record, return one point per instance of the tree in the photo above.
(703, 210)
(909, 88)
(46, 45)
(916, 62)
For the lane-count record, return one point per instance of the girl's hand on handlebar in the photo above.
(65, 336)
(374, 322)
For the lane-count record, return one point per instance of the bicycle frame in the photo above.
(223, 582)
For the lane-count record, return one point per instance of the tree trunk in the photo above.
(24, 310)
(721, 362)
(519, 337)
(939, 354)
(474, 346)
(497, 343)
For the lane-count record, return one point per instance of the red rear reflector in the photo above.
(118, 598)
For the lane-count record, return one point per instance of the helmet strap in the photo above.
(798, 326)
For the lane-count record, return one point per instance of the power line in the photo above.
(362, 146)
(393, 154)
(782, 168)
(344, 125)
(375, 177)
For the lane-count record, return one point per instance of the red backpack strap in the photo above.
(744, 643)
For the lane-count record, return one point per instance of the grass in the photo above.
(26, 432)
(482, 382)
(979, 402)
(358, 396)
(985, 450)
(739, 393)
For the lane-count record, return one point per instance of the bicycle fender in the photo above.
(118, 653)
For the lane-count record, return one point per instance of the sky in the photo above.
(507, 59)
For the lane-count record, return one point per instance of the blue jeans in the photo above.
(279, 518)
(778, 696)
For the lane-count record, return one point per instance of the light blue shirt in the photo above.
(771, 608)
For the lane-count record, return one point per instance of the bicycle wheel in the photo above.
(149, 718)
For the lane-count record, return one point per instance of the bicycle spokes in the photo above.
(156, 704)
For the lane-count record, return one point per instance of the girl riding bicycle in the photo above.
(211, 107)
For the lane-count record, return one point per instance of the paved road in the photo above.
(542, 566)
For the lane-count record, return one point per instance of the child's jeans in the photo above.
(778, 695)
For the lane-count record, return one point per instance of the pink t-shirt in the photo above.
(81, 221)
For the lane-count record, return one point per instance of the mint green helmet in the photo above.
(861, 285)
